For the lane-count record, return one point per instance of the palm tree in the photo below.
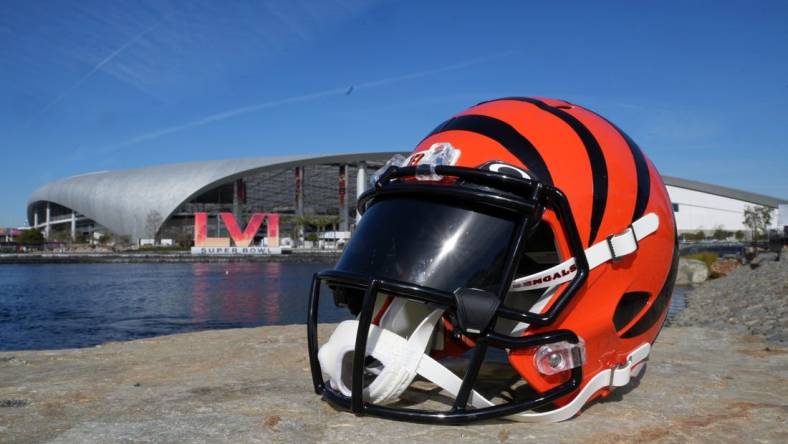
(324, 221)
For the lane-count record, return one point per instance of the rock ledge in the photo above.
(253, 385)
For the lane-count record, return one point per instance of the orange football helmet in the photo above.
(530, 235)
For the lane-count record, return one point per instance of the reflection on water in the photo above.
(61, 306)
(247, 292)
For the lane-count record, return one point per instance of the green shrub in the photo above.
(30, 237)
(706, 257)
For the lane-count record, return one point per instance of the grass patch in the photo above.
(707, 257)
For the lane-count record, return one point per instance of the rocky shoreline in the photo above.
(169, 257)
(749, 300)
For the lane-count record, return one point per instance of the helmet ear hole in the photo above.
(628, 308)
(659, 307)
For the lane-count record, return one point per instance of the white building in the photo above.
(702, 206)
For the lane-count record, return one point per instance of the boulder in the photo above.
(724, 267)
(691, 271)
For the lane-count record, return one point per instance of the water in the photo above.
(678, 301)
(81, 305)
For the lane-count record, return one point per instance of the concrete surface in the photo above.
(253, 385)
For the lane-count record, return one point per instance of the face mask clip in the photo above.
(475, 309)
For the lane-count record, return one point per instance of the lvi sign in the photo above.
(240, 241)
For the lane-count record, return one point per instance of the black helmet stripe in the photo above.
(505, 135)
(595, 157)
(641, 168)
(644, 178)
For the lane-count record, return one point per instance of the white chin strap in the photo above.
(613, 247)
(402, 360)
(405, 355)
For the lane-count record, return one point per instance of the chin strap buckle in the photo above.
(621, 375)
(627, 242)
(613, 256)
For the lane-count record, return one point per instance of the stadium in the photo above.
(159, 202)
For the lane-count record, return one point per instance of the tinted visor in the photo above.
(434, 244)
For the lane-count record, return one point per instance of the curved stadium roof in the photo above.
(104, 196)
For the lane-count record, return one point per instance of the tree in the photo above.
(152, 223)
(720, 234)
(184, 238)
(30, 237)
(297, 224)
(696, 236)
(739, 235)
(324, 221)
(106, 238)
(59, 236)
(757, 219)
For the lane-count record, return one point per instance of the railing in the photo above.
(59, 220)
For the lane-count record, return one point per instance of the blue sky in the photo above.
(97, 85)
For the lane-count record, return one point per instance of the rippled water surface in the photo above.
(678, 301)
(63, 306)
